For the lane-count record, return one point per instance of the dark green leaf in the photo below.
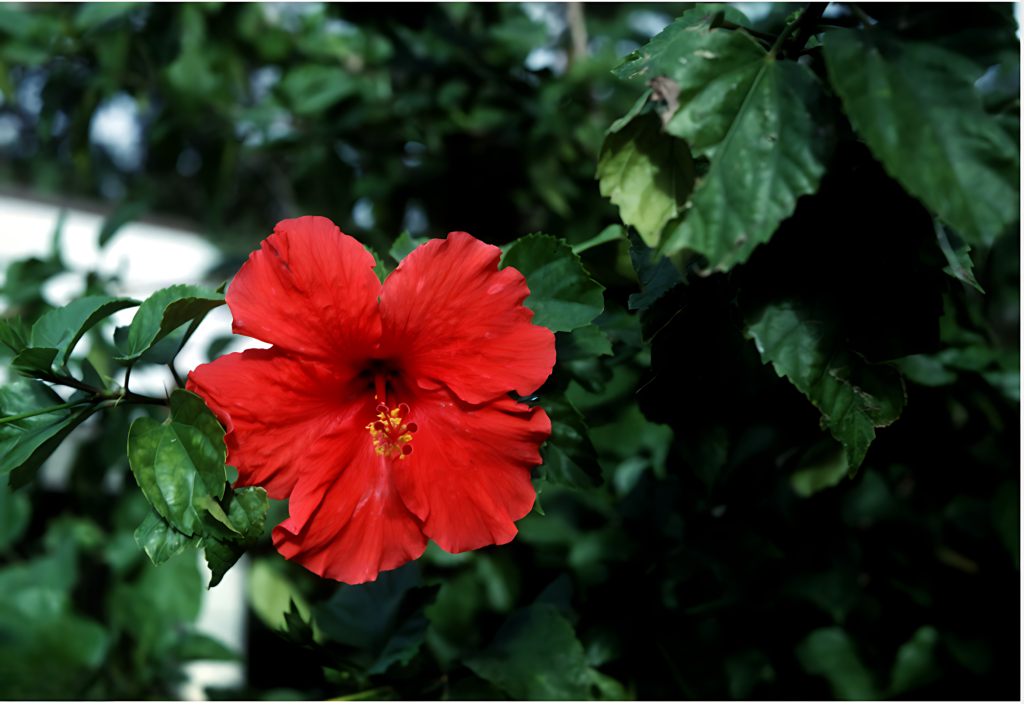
(378, 268)
(767, 129)
(62, 328)
(591, 340)
(13, 334)
(915, 662)
(93, 14)
(569, 456)
(822, 466)
(829, 652)
(247, 512)
(15, 510)
(384, 617)
(199, 646)
(655, 278)
(34, 361)
(957, 253)
(804, 345)
(535, 656)
(562, 294)
(915, 105)
(25, 444)
(311, 88)
(161, 541)
(164, 312)
(926, 369)
(648, 174)
(612, 233)
(180, 464)
(661, 56)
(404, 245)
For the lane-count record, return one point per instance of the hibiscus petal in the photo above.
(450, 316)
(468, 477)
(283, 414)
(309, 289)
(358, 525)
(298, 429)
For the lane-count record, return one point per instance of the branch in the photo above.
(726, 24)
(101, 394)
(803, 28)
(577, 31)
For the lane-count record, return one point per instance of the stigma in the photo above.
(391, 433)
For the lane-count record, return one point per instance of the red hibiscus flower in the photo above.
(381, 411)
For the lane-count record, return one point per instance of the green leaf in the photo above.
(957, 253)
(404, 245)
(769, 140)
(62, 328)
(536, 656)
(656, 278)
(612, 233)
(311, 88)
(13, 334)
(271, 593)
(157, 603)
(93, 14)
(161, 541)
(829, 652)
(637, 108)
(804, 344)
(25, 444)
(648, 174)
(378, 268)
(247, 511)
(591, 340)
(164, 312)
(199, 646)
(915, 662)
(384, 618)
(562, 294)
(569, 456)
(180, 464)
(916, 106)
(34, 362)
(126, 212)
(15, 510)
(926, 369)
(661, 56)
(824, 465)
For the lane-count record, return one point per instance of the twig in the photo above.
(577, 31)
(726, 24)
(804, 28)
(860, 14)
(174, 373)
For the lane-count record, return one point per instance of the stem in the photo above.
(174, 373)
(860, 14)
(726, 24)
(40, 412)
(805, 27)
(577, 31)
(99, 394)
(127, 375)
(784, 36)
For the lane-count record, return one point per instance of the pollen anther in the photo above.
(391, 436)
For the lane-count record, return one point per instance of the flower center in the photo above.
(391, 434)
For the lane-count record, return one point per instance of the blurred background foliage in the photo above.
(733, 562)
